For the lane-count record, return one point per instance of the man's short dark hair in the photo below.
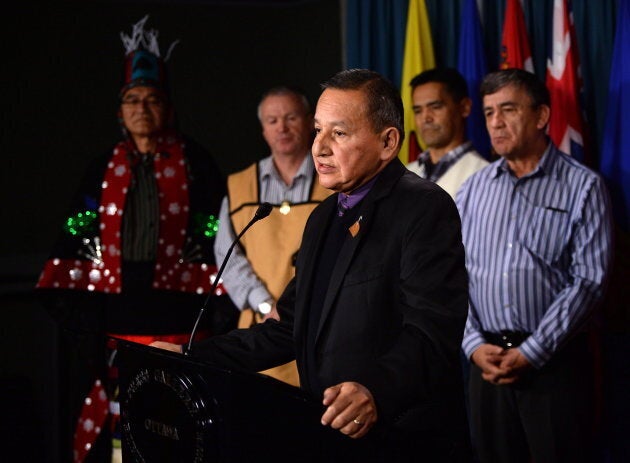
(454, 83)
(533, 86)
(286, 90)
(384, 105)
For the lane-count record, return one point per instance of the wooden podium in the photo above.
(177, 409)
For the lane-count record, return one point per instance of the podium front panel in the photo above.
(176, 409)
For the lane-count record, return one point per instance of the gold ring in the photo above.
(356, 421)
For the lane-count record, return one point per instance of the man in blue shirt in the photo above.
(537, 233)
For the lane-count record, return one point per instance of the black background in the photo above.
(61, 70)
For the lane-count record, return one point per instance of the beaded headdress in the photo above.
(143, 62)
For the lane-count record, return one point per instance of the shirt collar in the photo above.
(352, 199)
(445, 162)
(546, 164)
(144, 159)
(451, 155)
(268, 168)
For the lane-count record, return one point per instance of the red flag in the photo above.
(515, 51)
(566, 127)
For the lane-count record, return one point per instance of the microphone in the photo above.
(263, 211)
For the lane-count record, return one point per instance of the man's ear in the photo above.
(390, 137)
(465, 107)
(544, 113)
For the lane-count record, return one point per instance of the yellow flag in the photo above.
(417, 58)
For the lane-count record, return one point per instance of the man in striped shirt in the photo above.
(537, 232)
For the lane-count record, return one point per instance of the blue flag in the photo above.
(615, 154)
(472, 65)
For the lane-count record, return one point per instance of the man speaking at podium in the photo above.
(376, 311)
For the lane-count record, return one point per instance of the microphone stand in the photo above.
(263, 211)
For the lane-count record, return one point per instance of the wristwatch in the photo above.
(265, 307)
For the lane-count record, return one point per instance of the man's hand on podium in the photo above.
(351, 409)
(167, 346)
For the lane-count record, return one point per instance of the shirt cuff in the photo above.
(471, 342)
(257, 296)
(534, 352)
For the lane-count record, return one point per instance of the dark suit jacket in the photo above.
(392, 319)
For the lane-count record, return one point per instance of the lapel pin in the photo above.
(355, 227)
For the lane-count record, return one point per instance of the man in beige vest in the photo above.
(261, 267)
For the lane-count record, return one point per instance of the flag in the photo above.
(418, 56)
(515, 51)
(615, 154)
(566, 128)
(471, 64)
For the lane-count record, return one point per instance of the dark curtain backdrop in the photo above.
(374, 36)
(62, 66)
(594, 25)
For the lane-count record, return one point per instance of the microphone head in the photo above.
(263, 211)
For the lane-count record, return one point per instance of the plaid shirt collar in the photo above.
(446, 162)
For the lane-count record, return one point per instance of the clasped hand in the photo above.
(498, 365)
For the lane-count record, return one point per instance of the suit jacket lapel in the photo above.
(387, 179)
(346, 254)
(307, 256)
